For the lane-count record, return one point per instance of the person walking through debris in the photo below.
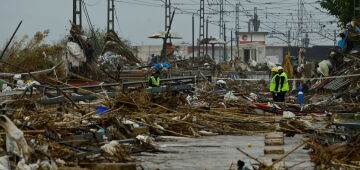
(274, 75)
(281, 85)
(162, 66)
(154, 80)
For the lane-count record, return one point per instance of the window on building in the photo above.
(246, 55)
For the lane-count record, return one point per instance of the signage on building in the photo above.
(252, 37)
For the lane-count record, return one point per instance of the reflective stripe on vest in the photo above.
(286, 82)
(273, 83)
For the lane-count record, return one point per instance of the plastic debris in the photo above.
(110, 148)
(229, 96)
(15, 141)
(287, 114)
(101, 109)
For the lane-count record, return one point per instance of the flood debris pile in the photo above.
(50, 122)
(343, 62)
(203, 63)
(114, 129)
(336, 155)
(120, 51)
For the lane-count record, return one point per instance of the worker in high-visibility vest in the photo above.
(274, 75)
(154, 80)
(281, 84)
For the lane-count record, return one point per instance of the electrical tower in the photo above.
(221, 21)
(202, 28)
(167, 14)
(77, 12)
(110, 15)
(306, 41)
(256, 21)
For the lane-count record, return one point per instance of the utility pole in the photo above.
(201, 28)
(193, 38)
(167, 36)
(167, 16)
(300, 23)
(221, 35)
(110, 15)
(77, 13)
(231, 46)
(207, 36)
(168, 20)
(237, 28)
(224, 42)
(334, 38)
(289, 39)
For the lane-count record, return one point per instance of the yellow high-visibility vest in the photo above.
(273, 83)
(154, 82)
(286, 82)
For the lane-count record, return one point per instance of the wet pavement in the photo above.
(219, 152)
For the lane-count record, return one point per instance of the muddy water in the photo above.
(218, 152)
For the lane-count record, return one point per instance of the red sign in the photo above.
(244, 37)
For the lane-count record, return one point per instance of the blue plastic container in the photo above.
(300, 95)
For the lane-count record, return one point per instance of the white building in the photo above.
(145, 51)
(252, 46)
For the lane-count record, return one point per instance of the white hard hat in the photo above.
(280, 68)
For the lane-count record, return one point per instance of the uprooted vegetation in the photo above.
(32, 54)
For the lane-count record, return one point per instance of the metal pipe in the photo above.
(12, 37)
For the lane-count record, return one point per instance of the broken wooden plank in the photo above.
(28, 132)
(110, 166)
(274, 151)
(72, 168)
(140, 131)
(274, 135)
(274, 142)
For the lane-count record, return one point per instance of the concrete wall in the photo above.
(145, 51)
(275, 51)
(257, 52)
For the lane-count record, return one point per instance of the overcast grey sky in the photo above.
(141, 18)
